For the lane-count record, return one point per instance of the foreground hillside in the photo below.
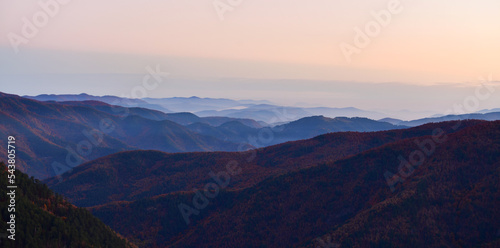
(43, 219)
(134, 175)
(450, 200)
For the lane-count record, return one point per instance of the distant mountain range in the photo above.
(166, 105)
(263, 111)
(239, 130)
(180, 118)
(113, 100)
(51, 131)
(304, 128)
(71, 134)
(485, 111)
(195, 104)
(55, 131)
(487, 116)
(279, 114)
(330, 189)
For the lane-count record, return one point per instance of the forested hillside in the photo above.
(44, 219)
(133, 175)
(450, 199)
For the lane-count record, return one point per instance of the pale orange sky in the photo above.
(450, 42)
(429, 41)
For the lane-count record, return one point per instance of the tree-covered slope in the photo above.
(133, 175)
(44, 219)
(450, 199)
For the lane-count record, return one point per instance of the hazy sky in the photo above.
(425, 42)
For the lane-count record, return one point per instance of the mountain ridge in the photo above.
(162, 173)
(332, 201)
(53, 132)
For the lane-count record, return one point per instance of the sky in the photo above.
(319, 52)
